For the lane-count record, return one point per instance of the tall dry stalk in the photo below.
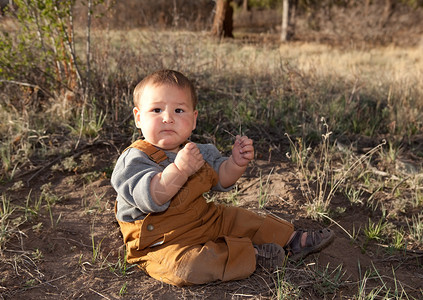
(318, 180)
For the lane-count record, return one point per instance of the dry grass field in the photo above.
(339, 142)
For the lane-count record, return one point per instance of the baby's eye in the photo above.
(157, 110)
(179, 110)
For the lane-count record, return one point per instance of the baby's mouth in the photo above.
(168, 131)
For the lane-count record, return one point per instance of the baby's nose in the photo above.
(167, 118)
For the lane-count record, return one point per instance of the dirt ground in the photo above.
(77, 253)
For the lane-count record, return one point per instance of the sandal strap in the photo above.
(315, 240)
(294, 245)
(314, 237)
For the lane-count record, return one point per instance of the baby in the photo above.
(169, 229)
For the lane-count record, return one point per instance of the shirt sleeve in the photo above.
(214, 158)
(131, 179)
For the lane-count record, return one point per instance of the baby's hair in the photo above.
(163, 77)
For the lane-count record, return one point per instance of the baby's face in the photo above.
(166, 116)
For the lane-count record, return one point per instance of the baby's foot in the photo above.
(303, 243)
(269, 256)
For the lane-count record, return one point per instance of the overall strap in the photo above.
(152, 152)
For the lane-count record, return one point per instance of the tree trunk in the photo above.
(223, 19)
(292, 19)
(245, 5)
(387, 12)
(288, 19)
(285, 16)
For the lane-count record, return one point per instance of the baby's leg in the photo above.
(226, 259)
(260, 230)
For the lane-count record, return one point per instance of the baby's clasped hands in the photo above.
(189, 159)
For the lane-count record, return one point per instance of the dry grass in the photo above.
(263, 91)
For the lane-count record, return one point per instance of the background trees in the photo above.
(329, 20)
(223, 19)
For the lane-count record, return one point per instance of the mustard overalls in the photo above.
(195, 242)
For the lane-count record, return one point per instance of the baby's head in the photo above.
(165, 77)
(164, 109)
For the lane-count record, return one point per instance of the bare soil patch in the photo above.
(76, 251)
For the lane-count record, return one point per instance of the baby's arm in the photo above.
(233, 168)
(166, 184)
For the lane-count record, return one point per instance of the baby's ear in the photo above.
(137, 117)
(195, 119)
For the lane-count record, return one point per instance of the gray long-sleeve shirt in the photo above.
(132, 176)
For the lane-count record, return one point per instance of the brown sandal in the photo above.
(270, 256)
(316, 240)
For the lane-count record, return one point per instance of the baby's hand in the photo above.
(189, 159)
(242, 151)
